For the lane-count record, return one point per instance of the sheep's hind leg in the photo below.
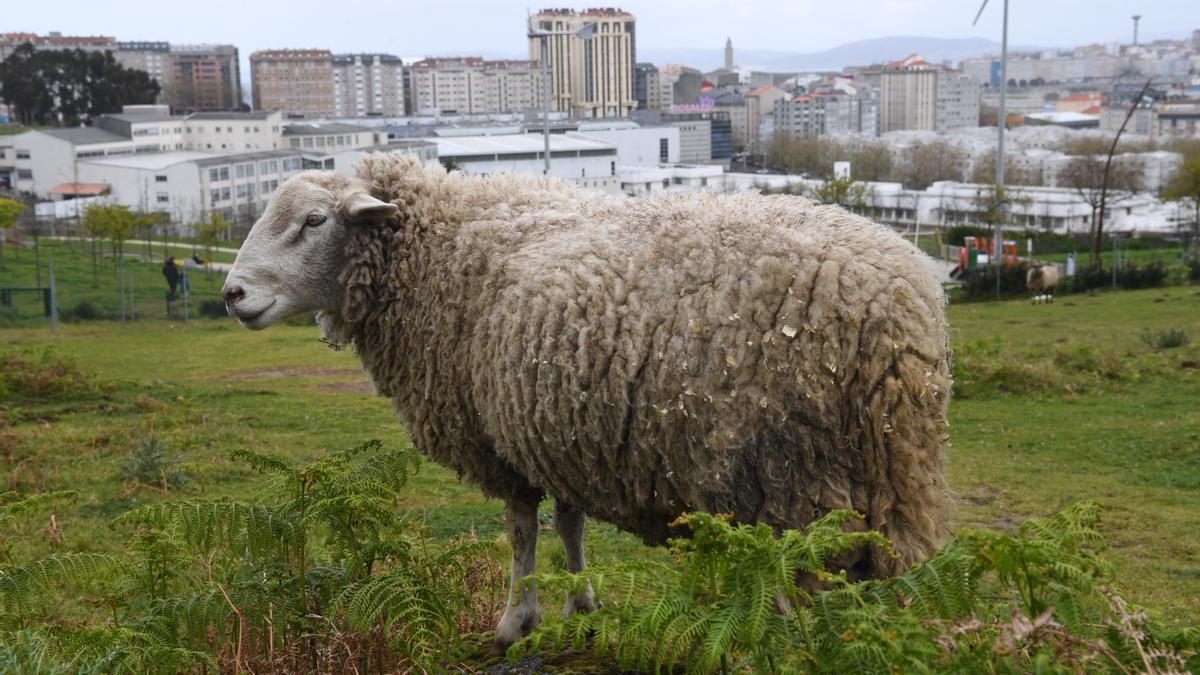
(522, 612)
(570, 523)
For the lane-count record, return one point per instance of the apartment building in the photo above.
(319, 83)
(914, 94)
(590, 78)
(646, 88)
(471, 85)
(295, 82)
(368, 84)
(205, 78)
(153, 58)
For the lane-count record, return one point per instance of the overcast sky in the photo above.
(409, 28)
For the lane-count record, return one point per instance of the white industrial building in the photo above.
(587, 162)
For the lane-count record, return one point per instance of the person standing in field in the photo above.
(171, 271)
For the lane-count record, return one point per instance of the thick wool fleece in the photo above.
(761, 356)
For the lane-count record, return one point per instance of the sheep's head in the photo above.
(293, 257)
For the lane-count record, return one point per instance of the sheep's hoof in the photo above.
(517, 622)
(582, 603)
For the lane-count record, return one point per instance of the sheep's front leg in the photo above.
(570, 523)
(522, 612)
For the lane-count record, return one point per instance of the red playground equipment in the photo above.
(973, 247)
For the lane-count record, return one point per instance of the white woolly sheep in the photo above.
(1042, 281)
(635, 359)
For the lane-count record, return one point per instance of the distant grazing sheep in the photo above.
(632, 358)
(1042, 281)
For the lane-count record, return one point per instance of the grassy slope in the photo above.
(210, 387)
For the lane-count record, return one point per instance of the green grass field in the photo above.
(73, 274)
(1055, 403)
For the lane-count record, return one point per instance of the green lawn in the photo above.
(1128, 437)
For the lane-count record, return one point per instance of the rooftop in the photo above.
(90, 189)
(321, 128)
(137, 117)
(229, 116)
(149, 161)
(465, 146)
(84, 135)
(217, 160)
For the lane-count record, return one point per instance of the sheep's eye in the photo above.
(314, 219)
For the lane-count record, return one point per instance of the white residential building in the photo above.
(367, 84)
(471, 85)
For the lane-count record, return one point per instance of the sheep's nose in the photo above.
(232, 294)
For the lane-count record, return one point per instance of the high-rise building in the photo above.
(56, 40)
(678, 85)
(152, 57)
(1196, 40)
(471, 85)
(590, 78)
(914, 94)
(296, 82)
(646, 88)
(205, 78)
(368, 84)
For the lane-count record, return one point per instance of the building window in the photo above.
(308, 142)
(25, 174)
(22, 154)
(214, 175)
(294, 142)
(162, 198)
(160, 179)
(225, 193)
(663, 150)
(214, 196)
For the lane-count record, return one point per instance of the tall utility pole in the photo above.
(1002, 122)
(543, 36)
(1136, 19)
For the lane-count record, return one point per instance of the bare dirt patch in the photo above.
(293, 372)
(355, 387)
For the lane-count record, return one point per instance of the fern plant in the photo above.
(321, 574)
(1038, 600)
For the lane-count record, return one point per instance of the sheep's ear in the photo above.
(362, 206)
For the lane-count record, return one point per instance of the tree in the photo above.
(843, 191)
(872, 162)
(925, 163)
(208, 234)
(114, 222)
(1184, 186)
(9, 210)
(69, 86)
(1085, 175)
(985, 173)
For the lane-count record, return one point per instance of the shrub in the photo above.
(213, 309)
(1037, 600)
(1166, 339)
(41, 376)
(956, 235)
(83, 311)
(1193, 266)
(980, 284)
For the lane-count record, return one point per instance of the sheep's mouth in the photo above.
(253, 319)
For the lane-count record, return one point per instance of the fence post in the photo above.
(121, 286)
(132, 303)
(53, 298)
(185, 294)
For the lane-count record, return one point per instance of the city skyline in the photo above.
(409, 30)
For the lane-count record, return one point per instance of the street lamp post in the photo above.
(1001, 123)
(543, 37)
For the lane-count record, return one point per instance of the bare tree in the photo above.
(1085, 175)
(926, 163)
(1108, 170)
